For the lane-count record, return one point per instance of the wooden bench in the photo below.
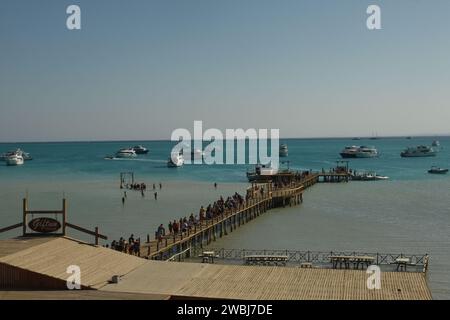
(208, 256)
(347, 260)
(402, 263)
(306, 265)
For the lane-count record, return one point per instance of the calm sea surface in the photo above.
(409, 213)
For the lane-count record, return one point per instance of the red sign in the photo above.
(44, 225)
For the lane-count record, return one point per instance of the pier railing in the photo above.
(418, 261)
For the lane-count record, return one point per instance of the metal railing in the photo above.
(320, 257)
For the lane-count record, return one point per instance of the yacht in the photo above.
(14, 160)
(140, 149)
(23, 154)
(419, 151)
(283, 150)
(125, 153)
(359, 152)
(175, 160)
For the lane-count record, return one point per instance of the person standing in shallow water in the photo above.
(123, 201)
(156, 195)
(160, 186)
(215, 185)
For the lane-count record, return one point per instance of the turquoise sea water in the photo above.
(85, 160)
(409, 213)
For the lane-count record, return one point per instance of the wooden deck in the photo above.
(258, 282)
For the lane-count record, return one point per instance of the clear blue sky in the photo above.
(139, 69)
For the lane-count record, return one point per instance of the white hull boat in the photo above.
(175, 160)
(126, 153)
(14, 160)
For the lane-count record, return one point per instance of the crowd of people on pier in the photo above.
(212, 211)
(136, 186)
(132, 246)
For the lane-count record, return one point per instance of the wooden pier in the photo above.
(210, 229)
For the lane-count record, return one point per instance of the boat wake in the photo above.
(134, 159)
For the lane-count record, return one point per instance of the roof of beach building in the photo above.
(46, 259)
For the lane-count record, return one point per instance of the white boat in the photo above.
(359, 152)
(23, 154)
(197, 154)
(283, 150)
(368, 176)
(261, 173)
(14, 160)
(419, 151)
(175, 160)
(140, 149)
(126, 153)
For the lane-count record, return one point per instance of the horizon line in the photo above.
(285, 138)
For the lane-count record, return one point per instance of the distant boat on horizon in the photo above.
(374, 137)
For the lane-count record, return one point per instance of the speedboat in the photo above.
(23, 154)
(283, 150)
(368, 176)
(175, 160)
(437, 170)
(14, 160)
(140, 149)
(419, 151)
(359, 152)
(126, 153)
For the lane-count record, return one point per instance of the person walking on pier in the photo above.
(137, 247)
(161, 232)
(175, 227)
(170, 227)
